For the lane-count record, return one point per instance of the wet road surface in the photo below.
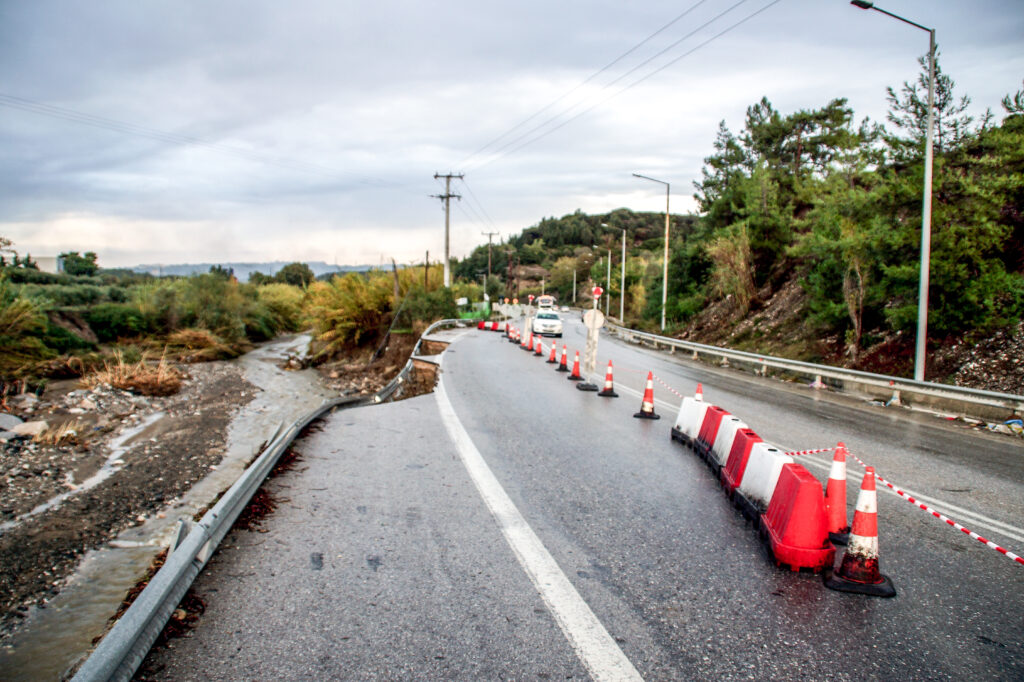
(392, 560)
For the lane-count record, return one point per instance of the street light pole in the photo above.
(608, 283)
(664, 277)
(921, 351)
(622, 284)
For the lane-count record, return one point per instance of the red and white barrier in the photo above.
(795, 524)
(758, 485)
(691, 416)
(736, 464)
(722, 446)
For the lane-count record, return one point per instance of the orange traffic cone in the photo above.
(506, 330)
(835, 498)
(609, 386)
(647, 406)
(554, 348)
(699, 395)
(562, 365)
(539, 349)
(575, 376)
(858, 572)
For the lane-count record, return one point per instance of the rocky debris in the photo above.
(32, 428)
(172, 442)
(7, 421)
(993, 364)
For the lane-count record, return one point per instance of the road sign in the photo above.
(530, 297)
(597, 291)
(594, 320)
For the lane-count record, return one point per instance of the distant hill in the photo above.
(243, 270)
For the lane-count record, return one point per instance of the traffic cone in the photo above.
(575, 376)
(609, 386)
(562, 365)
(647, 406)
(539, 349)
(554, 349)
(528, 343)
(835, 498)
(858, 572)
(506, 330)
(699, 395)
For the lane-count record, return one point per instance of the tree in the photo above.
(908, 111)
(296, 274)
(74, 264)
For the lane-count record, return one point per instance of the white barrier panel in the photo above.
(726, 435)
(762, 473)
(691, 416)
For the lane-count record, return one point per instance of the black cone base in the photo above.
(562, 368)
(840, 538)
(608, 393)
(586, 387)
(646, 415)
(574, 377)
(834, 581)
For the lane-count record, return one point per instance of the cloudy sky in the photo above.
(255, 130)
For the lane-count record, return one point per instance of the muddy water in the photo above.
(55, 637)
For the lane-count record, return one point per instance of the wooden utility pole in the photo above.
(446, 198)
(426, 271)
(488, 235)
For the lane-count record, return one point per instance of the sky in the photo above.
(195, 131)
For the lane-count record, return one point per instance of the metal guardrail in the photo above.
(965, 397)
(123, 649)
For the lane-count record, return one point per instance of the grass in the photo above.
(140, 377)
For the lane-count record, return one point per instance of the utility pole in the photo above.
(426, 272)
(446, 198)
(488, 235)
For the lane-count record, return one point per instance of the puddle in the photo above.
(113, 464)
(54, 637)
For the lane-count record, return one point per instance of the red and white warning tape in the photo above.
(940, 515)
(797, 453)
(671, 390)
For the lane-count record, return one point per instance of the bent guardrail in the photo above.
(967, 400)
(123, 649)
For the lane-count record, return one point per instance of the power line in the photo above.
(582, 83)
(630, 86)
(477, 201)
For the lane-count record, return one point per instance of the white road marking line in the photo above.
(593, 645)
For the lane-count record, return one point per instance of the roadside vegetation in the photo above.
(808, 241)
(807, 246)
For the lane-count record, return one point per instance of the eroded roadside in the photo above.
(64, 569)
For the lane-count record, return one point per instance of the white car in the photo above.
(565, 308)
(547, 323)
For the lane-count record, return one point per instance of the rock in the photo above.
(87, 404)
(30, 428)
(8, 421)
(24, 400)
(8, 436)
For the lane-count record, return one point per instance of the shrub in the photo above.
(112, 321)
(349, 311)
(22, 322)
(284, 301)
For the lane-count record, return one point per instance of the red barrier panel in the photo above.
(480, 324)
(709, 430)
(494, 326)
(795, 522)
(732, 472)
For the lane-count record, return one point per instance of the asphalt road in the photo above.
(512, 527)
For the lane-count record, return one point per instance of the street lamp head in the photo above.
(863, 4)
